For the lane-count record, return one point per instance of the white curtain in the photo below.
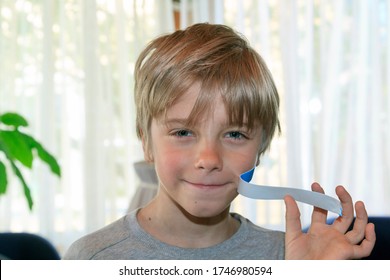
(67, 67)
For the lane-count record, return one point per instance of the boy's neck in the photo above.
(174, 226)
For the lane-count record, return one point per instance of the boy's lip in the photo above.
(206, 184)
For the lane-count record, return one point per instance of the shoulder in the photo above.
(257, 230)
(258, 242)
(92, 244)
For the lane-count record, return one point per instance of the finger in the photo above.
(365, 248)
(293, 218)
(342, 223)
(319, 215)
(358, 232)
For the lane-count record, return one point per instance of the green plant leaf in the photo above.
(26, 189)
(3, 178)
(43, 154)
(13, 119)
(16, 147)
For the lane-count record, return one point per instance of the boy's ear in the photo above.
(258, 156)
(148, 155)
(258, 159)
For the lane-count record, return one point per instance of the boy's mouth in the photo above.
(206, 185)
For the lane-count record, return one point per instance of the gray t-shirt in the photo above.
(125, 239)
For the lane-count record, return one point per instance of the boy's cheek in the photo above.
(244, 162)
(170, 158)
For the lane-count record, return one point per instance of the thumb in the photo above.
(293, 218)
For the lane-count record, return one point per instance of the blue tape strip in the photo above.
(254, 191)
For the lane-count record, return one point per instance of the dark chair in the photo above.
(381, 249)
(26, 246)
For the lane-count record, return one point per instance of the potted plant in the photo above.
(18, 148)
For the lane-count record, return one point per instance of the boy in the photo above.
(207, 109)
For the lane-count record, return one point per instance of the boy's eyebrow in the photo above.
(185, 121)
(170, 121)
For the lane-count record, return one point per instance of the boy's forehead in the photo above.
(188, 106)
(216, 112)
(183, 105)
(198, 105)
(183, 112)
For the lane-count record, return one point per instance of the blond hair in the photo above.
(222, 61)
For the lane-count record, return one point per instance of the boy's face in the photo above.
(199, 167)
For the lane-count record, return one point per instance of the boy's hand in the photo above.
(329, 241)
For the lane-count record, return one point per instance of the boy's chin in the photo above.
(206, 214)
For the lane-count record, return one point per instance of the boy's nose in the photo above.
(208, 157)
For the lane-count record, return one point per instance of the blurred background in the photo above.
(67, 66)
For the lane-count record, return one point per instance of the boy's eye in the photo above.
(183, 133)
(236, 135)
